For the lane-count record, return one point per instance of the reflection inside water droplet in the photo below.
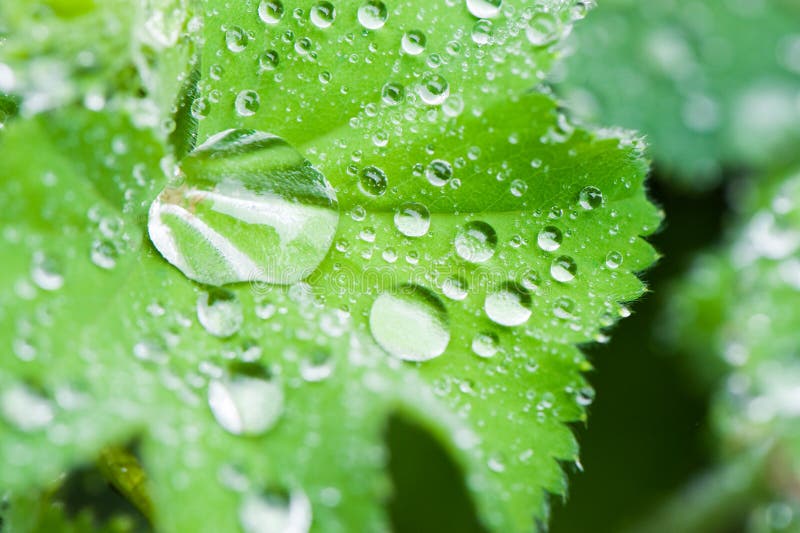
(508, 306)
(276, 512)
(246, 401)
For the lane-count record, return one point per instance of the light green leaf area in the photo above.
(712, 85)
(737, 312)
(259, 402)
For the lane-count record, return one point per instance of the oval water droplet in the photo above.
(236, 39)
(484, 9)
(373, 181)
(590, 198)
(323, 14)
(510, 305)
(482, 32)
(485, 344)
(433, 89)
(317, 366)
(613, 259)
(392, 93)
(439, 172)
(270, 11)
(410, 323)
(251, 208)
(269, 60)
(543, 29)
(373, 15)
(412, 219)
(104, 254)
(476, 242)
(414, 42)
(46, 272)
(247, 103)
(220, 312)
(275, 512)
(563, 269)
(455, 288)
(25, 409)
(549, 239)
(246, 401)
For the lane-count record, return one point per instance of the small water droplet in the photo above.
(563, 269)
(275, 512)
(433, 89)
(482, 32)
(590, 198)
(25, 409)
(46, 272)
(531, 280)
(323, 14)
(543, 29)
(485, 344)
(317, 366)
(392, 93)
(373, 181)
(219, 312)
(510, 305)
(476, 242)
(373, 14)
(246, 401)
(484, 9)
(236, 39)
(410, 323)
(439, 172)
(518, 188)
(564, 308)
(412, 219)
(247, 103)
(455, 288)
(269, 60)
(104, 254)
(549, 239)
(413, 42)
(613, 259)
(270, 11)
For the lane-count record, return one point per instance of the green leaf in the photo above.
(713, 85)
(257, 400)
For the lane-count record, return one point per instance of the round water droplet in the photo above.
(317, 366)
(563, 269)
(46, 272)
(510, 305)
(433, 89)
(247, 103)
(373, 181)
(104, 254)
(412, 219)
(549, 239)
(482, 32)
(251, 208)
(323, 14)
(590, 198)
(439, 172)
(476, 242)
(484, 9)
(270, 11)
(455, 288)
(613, 260)
(414, 42)
(25, 409)
(392, 93)
(485, 344)
(236, 39)
(564, 308)
(518, 188)
(269, 60)
(373, 14)
(246, 401)
(275, 512)
(543, 29)
(530, 280)
(219, 312)
(410, 323)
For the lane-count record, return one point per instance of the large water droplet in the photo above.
(613, 259)
(433, 89)
(373, 14)
(412, 219)
(247, 103)
(476, 242)
(484, 9)
(413, 42)
(274, 512)
(373, 181)
(549, 239)
(485, 344)
(508, 306)
(219, 312)
(410, 323)
(246, 401)
(270, 11)
(323, 14)
(563, 269)
(25, 409)
(590, 198)
(439, 172)
(236, 39)
(251, 208)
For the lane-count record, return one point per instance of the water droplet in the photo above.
(410, 323)
(104, 254)
(590, 198)
(274, 512)
(549, 239)
(246, 401)
(518, 188)
(412, 219)
(317, 366)
(270, 11)
(476, 242)
(269, 60)
(373, 181)
(46, 272)
(439, 172)
(373, 14)
(530, 280)
(482, 32)
(563, 269)
(25, 409)
(247, 103)
(251, 208)
(219, 312)
(392, 93)
(613, 260)
(323, 14)
(485, 344)
(236, 39)
(434, 89)
(508, 306)
(413, 42)
(484, 9)
(543, 29)
(564, 308)
(455, 288)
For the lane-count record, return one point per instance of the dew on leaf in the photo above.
(410, 323)
(510, 305)
(413, 42)
(268, 60)
(433, 89)
(25, 409)
(246, 401)
(563, 269)
(613, 259)
(590, 198)
(46, 272)
(543, 29)
(412, 219)
(275, 512)
(476, 242)
(104, 254)
(439, 172)
(220, 312)
(518, 188)
(484, 9)
(455, 288)
(482, 32)
(372, 181)
(564, 308)
(485, 344)
(549, 239)
(270, 11)
(373, 14)
(247, 103)
(251, 208)
(392, 93)
(236, 39)
(323, 14)
(317, 366)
